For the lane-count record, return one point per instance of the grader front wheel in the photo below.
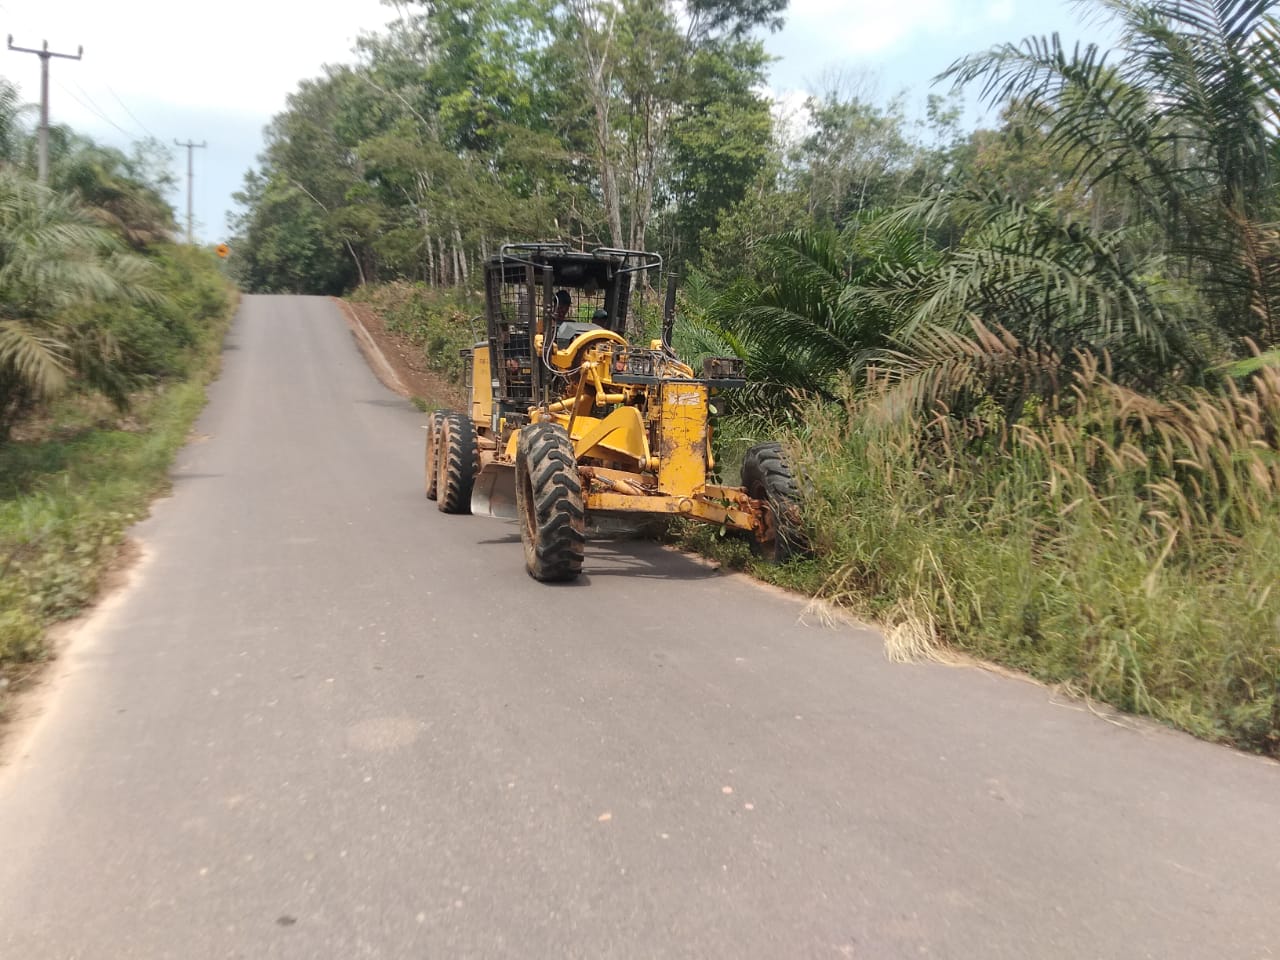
(549, 503)
(457, 460)
(431, 473)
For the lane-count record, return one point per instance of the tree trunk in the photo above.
(598, 40)
(356, 259)
(462, 257)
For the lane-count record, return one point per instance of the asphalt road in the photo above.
(327, 721)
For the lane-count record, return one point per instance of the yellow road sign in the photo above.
(223, 250)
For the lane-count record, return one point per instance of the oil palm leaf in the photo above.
(1047, 280)
(57, 263)
(949, 369)
(1184, 122)
(40, 361)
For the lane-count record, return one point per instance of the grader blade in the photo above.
(494, 493)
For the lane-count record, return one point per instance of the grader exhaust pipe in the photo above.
(669, 311)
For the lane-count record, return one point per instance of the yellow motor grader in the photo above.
(570, 423)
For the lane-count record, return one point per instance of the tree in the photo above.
(719, 144)
(819, 310)
(1182, 126)
(13, 134)
(285, 243)
(464, 129)
(639, 64)
(857, 158)
(1055, 286)
(56, 262)
(126, 192)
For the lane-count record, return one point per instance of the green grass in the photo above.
(439, 322)
(1132, 557)
(83, 474)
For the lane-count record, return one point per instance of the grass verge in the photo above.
(73, 481)
(438, 322)
(1124, 547)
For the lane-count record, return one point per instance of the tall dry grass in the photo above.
(1121, 544)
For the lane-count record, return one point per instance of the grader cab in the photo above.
(569, 422)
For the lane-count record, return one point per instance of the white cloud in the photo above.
(862, 27)
(233, 55)
(999, 11)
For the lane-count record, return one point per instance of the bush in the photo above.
(69, 489)
(439, 321)
(1126, 547)
(156, 338)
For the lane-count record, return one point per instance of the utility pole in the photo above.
(42, 170)
(191, 146)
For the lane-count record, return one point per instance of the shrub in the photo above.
(1125, 546)
(440, 322)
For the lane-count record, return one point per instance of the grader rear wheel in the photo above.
(431, 472)
(549, 503)
(768, 476)
(457, 461)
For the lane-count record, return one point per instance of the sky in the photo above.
(217, 72)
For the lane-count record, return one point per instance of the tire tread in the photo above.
(554, 551)
(459, 463)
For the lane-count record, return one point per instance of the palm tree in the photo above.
(110, 183)
(825, 304)
(13, 135)
(1051, 282)
(56, 261)
(1007, 311)
(1183, 124)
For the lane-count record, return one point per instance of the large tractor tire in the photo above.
(549, 503)
(431, 472)
(768, 476)
(457, 462)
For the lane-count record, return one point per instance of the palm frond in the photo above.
(58, 266)
(95, 355)
(945, 368)
(1182, 120)
(55, 254)
(820, 311)
(38, 360)
(1046, 279)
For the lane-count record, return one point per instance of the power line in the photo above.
(101, 81)
(101, 112)
(131, 114)
(96, 112)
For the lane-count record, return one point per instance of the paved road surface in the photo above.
(327, 721)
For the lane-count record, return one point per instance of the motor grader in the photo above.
(569, 423)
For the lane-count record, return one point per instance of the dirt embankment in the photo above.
(398, 362)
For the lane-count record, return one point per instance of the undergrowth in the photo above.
(79, 472)
(439, 322)
(1124, 546)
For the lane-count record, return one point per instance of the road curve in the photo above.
(326, 721)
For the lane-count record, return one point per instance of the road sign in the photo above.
(222, 250)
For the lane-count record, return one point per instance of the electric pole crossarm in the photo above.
(45, 51)
(45, 54)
